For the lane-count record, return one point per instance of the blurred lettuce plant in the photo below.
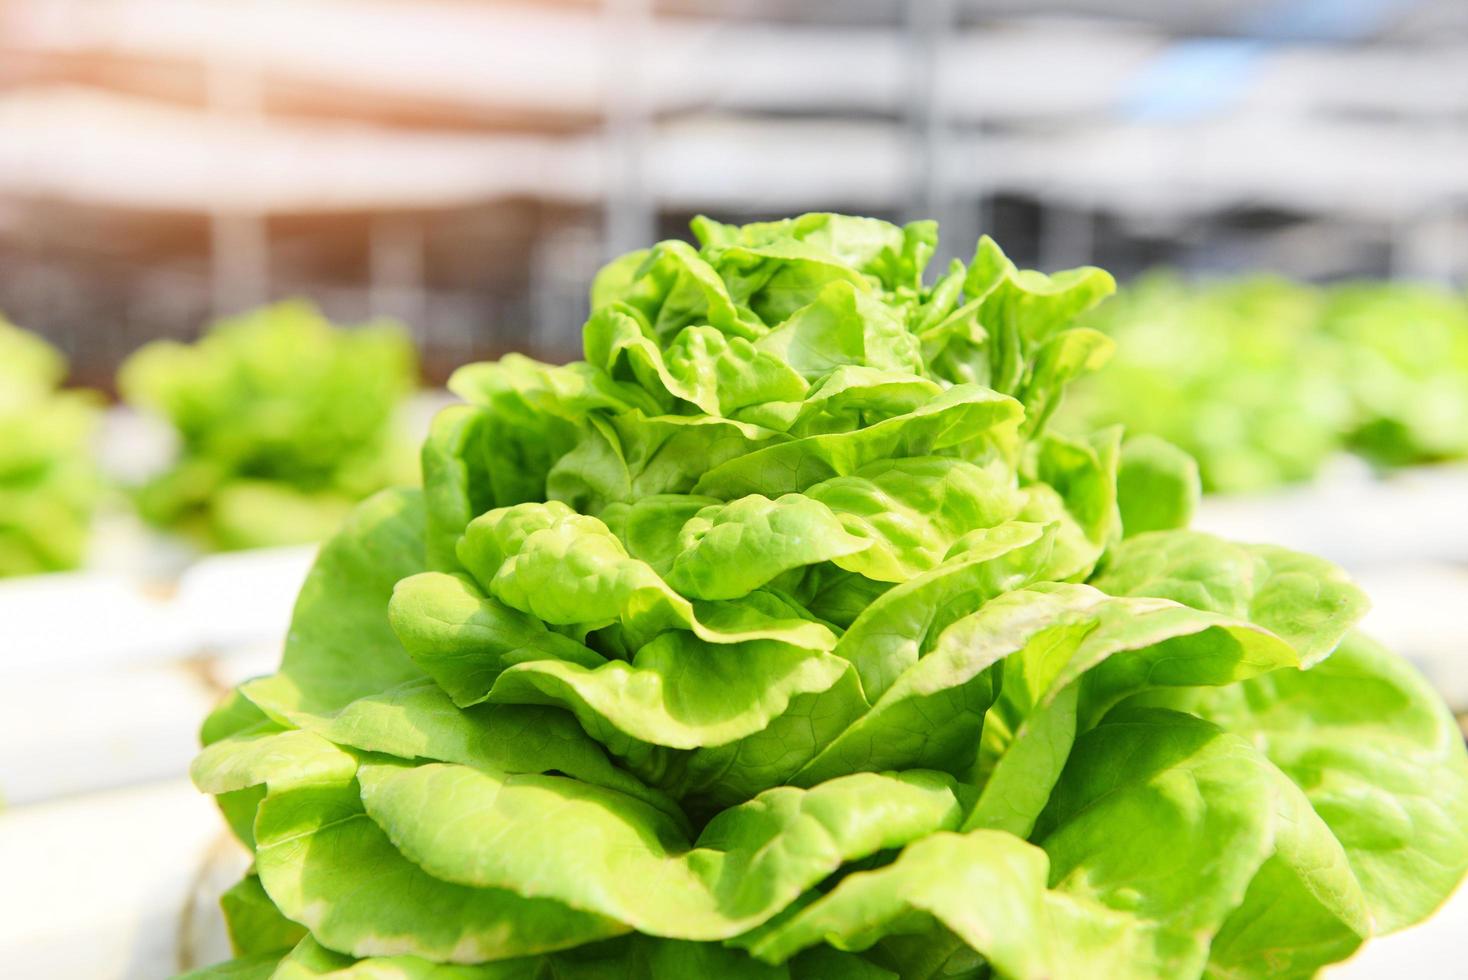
(48, 479)
(781, 638)
(284, 422)
(1404, 359)
(1237, 373)
(1261, 379)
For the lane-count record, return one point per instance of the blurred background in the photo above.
(463, 167)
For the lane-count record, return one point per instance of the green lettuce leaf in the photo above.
(749, 862)
(964, 417)
(255, 924)
(1377, 755)
(1307, 601)
(328, 866)
(1157, 486)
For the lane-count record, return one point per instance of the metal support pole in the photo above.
(396, 289)
(1067, 236)
(239, 267)
(1424, 242)
(931, 130)
(628, 209)
(239, 240)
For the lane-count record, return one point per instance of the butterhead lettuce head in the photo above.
(1263, 380)
(779, 638)
(284, 422)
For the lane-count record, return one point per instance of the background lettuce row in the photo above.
(48, 480)
(284, 423)
(780, 638)
(1261, 378)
